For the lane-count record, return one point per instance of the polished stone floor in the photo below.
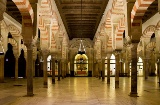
(80, 91)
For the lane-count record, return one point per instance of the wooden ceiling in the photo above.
(70, 11)
(151, 11)
(85, 27)
(13, 11)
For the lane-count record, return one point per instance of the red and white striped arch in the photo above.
(46, 8)
(117, 7)
(108, 20)
(151, 46)
(43, 29)
(158, 25)
(53, 43)
(108, 26)
(26, 10)
(14, 30)
(15, 46)
(119, 34)
(138, 11)
(109, 44)
(147, 33)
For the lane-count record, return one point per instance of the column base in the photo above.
(53, 81)
(2, 81)
(45, 85)
(133, 94)
(102, 79)
(29, 95)
(59, 79)
(108, 81)
(116, 84)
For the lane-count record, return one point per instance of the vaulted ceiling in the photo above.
(85, 26)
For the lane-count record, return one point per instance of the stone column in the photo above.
(108, 70)
(2, 10)
(158, 69)
(63, 68)
(34, 67)
(133, 92)
(96, 70)
(117, 69)
(99, 68)
(103, 69)
(67, 70)
(153, 68)
(145, 68)
(53, 70)
(1, 67)
(59, 69)
(45, 81)
(127, 68)
(16, 68)
(29, 68)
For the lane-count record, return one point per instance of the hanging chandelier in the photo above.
(81, 49)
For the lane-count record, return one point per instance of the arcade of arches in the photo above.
(37, 39)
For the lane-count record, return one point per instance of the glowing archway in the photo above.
(81, 65)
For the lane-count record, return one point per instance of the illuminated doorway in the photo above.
(81, 65)
(49, 66)
(112, 65)
(139, 67)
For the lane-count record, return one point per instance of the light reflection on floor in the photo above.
(80, 91)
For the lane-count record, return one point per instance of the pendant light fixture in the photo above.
(81, 49)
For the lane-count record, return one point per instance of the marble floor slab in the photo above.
(80, 91)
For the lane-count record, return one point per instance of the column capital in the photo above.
(28, 43)
(45, 52)
(117, 51)
(109, 56)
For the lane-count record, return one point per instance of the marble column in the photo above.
(63, 68)
(145, 68)
(133, 92)
(153, 68)
(99, 68)
(103, 69)
(108, 70)
(158, 69)
(96, 70)
(127, 68)
(16, 68)
(117, 69)
(59, 69)
(26, 66)
(34, 67)
(45, 82)
(53, 70)
(1, 68)
(29, 68)
(2, 10)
